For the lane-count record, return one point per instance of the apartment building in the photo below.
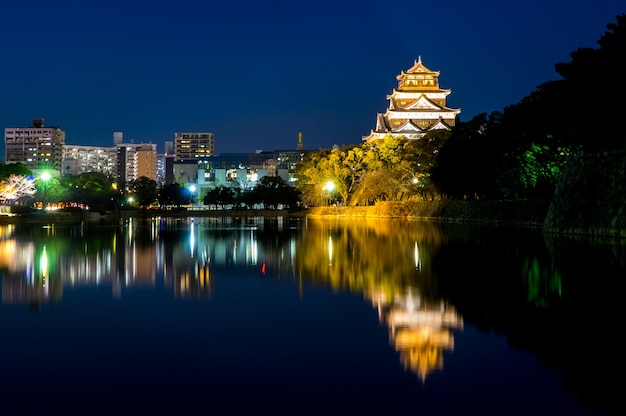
(37, 147)
(193, 146)
(80, 159)
(135, 161)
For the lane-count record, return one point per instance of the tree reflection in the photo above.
(393, 270)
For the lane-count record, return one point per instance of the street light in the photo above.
(328, 187)
(45, 177)
(192, 190)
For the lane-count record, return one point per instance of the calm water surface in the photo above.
(295, 316)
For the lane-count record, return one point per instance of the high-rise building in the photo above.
(37, 147)
(193, 146)
(416, 107)
(82, 159)
(146, 163)
(135, 161)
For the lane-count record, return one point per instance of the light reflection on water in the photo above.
(424, 282)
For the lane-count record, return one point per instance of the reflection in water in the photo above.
(426, 281)
(38, 261)
(389, 268)
(184, 254)
(420, 331)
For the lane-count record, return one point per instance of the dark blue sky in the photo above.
(257, 73)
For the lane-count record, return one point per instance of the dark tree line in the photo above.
(271, 192)
(520, 152)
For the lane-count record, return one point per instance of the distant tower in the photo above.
(169, 148)
(118, 137)
(300, 146)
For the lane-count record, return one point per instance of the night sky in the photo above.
(255, 73)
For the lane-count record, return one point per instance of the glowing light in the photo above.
(330, 250)
(418, 261)
(192, 239)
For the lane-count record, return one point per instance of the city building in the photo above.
(194, 146)
(135, 161)
(37, 147)
(416, 107)
(81, 159)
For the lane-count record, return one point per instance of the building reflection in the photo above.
(420, 331)
(185, 253)
(184, 256)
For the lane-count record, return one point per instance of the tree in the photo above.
(273, 191)
(312, 174)
(16, 186)
(50, 189)
(174, 195)
(596, 126)
(93, 189)
(145, 190)
(220, 195)
(9, 169)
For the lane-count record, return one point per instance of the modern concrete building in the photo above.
(194, 146)
(135, 161)
(37, 147)
(81, 159)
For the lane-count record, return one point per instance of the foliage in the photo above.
(273, 191)
(145, 190)
(16, 186)
(592, 80)
(270, 191)
(51, 190)
(220, 196)
(392, 169)
(93, 189)
(9, 169)
(174, 195)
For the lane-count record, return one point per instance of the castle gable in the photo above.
(440, 125)
(423, 103)
(408, 127)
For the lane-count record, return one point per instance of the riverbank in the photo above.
(524, 213)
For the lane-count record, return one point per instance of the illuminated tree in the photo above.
(16, 186)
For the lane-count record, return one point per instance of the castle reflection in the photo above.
(185, 255)
(392, 269)
(420, 331)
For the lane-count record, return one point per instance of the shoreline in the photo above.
(524, 214)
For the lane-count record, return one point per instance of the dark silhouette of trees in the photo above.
(174, 195)
(273, 192)
(521, 151)
(220, 196)
(145, 190)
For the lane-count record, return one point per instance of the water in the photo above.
(295, 316)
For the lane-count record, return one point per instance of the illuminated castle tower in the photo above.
(416, 107)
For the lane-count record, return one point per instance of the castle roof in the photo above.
(418, 68)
